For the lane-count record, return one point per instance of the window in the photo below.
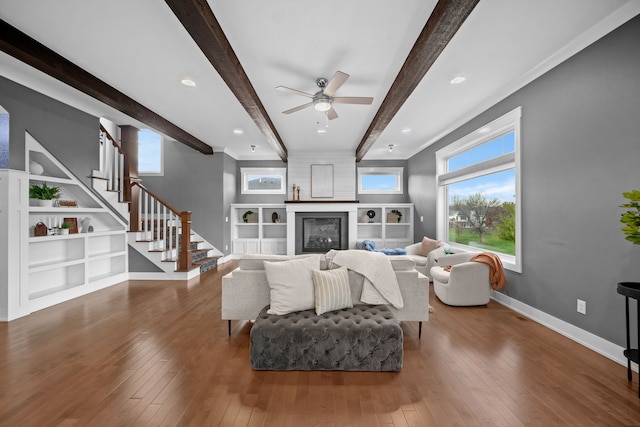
(150, 153)
(264, 180)
(4, 139)
(380, 180)
(479, 191)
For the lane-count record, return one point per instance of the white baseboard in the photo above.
(593, 342)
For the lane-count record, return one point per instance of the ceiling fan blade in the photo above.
(298, 92)
(331, 114)
(353, 100)
(336, 81)
(298, 108)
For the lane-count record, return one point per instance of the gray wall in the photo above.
(194, 181)
(580, 151)
(69, 134)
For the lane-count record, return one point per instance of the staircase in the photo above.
(156, 229)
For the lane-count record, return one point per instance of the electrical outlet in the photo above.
(421, 218)
(226, 247)
(226, 219)
(582, 307)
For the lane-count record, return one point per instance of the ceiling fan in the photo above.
(323, 99)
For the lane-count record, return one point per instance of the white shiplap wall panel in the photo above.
(344, 173)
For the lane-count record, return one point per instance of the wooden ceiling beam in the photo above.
(31, 52)
(198, 19)
(445, 20)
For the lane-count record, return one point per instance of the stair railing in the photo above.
(112, 163)
(160, 223)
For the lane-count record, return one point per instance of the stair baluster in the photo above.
(167, 227)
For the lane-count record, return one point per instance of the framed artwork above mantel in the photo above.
(321, 180)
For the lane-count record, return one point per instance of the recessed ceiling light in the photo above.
(484, 130)
(457, 80)
(238, 131)
(322, 130)
(406, 131)
(188, 82)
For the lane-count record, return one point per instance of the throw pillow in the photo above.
(332, 289)
(428, 245)
(291, 285)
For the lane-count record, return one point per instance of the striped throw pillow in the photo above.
(332, 291)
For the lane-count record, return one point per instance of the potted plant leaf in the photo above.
(631, 218)
(44, 194)
(64, 228)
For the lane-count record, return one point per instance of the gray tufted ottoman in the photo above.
(362, 338)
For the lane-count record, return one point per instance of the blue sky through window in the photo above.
(501, 185)
(489, 150)
(149, 152)
(379, 182)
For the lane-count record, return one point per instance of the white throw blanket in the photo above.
(380, 282)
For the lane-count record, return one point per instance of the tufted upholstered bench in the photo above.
(362, 338)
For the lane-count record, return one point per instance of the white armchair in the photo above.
(466, 284)
(424, 263)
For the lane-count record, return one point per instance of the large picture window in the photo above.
(479, 191)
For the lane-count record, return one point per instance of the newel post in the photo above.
(184, 257)
(129, 143)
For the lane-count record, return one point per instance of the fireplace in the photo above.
(319, 232)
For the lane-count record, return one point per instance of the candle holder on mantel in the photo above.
(298, 189)
(293, 192)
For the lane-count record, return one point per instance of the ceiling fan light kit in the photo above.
(323, 99)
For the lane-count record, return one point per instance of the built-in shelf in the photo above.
(61, 267)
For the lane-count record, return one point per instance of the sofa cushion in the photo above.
(291, 284)
(332, 290)
(256, 261)
(427, 245)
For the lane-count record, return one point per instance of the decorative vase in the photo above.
(35, 168)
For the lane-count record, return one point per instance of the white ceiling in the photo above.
(140, 48)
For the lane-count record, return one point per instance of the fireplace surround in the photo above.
(346, 211)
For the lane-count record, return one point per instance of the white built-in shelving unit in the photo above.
(380, 228)
(267, 235)
(61, 267)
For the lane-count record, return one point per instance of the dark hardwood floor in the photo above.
(156, 353)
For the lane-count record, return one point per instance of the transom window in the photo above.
(150, 153)
(381, 180)
(264, 180)
(479, 191)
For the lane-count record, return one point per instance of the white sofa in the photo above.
(425, 263)
(245, 290)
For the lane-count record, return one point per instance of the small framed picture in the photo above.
(73, 225)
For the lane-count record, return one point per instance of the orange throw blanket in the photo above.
(496, 271)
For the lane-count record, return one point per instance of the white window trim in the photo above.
(505, 124)
(397, 171)
(246, 172)
(161, 173)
